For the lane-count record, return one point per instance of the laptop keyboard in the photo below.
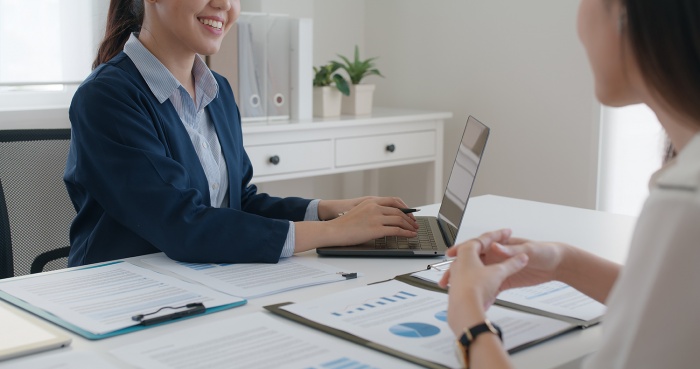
(424, 240)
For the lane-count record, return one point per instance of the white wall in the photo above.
(515, 65)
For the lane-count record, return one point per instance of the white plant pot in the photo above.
(327, 101)
(360, 100)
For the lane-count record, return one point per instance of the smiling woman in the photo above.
(157, 161)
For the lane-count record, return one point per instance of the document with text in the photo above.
(63, 360)
(413, 320)
(253, 280)
(255, 340)
(104, 299)
(555, 298)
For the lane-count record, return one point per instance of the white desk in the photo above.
(602, 233)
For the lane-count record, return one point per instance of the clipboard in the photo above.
(277, 309)
(46, 315)
(93, 336)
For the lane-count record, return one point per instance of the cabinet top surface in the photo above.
(379, 116)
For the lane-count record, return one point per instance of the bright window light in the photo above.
(46, 49)
(632, 147)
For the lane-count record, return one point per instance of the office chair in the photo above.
(35, 210)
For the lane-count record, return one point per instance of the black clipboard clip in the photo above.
(193, 308)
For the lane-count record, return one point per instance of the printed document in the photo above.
(252, 280)
(414, 320)
(103, 299)
(553, 297)
(63, 360)
(256, 340)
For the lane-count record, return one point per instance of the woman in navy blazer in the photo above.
(153, 134)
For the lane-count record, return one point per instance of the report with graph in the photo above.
(413, 320)
(554, 299)
(255, 340)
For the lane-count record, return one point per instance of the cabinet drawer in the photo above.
(291, 157)
(375, 149)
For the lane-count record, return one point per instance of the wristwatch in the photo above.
(469, 335)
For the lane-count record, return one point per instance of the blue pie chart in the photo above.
(414, 330)
(441, 315)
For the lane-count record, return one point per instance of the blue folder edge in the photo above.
(92, 336)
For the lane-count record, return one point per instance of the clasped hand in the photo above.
(489, 264)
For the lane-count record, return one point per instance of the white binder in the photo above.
(268, 59)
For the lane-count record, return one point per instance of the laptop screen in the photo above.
(459, 186)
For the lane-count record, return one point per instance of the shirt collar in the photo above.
(159, 79)
(685, 158)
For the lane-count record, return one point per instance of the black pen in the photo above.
(408, 210)
(192, 309)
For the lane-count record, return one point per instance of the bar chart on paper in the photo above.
(374, 303)
(343, 363)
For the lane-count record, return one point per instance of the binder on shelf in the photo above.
(301, 107)
(267, 58)
(115, 295)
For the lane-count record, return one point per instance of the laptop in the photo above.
(435, 234)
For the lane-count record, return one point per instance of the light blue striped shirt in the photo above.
(197, 122)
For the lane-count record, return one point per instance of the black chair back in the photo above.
(35, 210)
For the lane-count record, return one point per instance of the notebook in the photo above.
(435, 234)
(24, 335)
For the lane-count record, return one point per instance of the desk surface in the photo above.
(605, 234)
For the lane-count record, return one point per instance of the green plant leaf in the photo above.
(341, 84)
(357, 69)
(374, 72)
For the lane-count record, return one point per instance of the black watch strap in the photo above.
(472, 333)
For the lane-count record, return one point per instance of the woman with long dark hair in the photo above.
(157, 162)
(640, 51)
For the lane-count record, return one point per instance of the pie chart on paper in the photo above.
(414, 330)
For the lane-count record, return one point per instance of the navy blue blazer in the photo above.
(139, 188)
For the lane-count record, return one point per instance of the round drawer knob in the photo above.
(275, 160)
(391, 148)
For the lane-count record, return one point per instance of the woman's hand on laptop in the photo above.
(371, 218)
(355, 221)
(331, 209)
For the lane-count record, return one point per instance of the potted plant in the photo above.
(359, 101)
(328, 86)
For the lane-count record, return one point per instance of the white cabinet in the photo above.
(385, 148)
(387, 138)
(295, 157)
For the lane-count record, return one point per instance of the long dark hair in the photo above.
(665, 38)
(123, 18)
